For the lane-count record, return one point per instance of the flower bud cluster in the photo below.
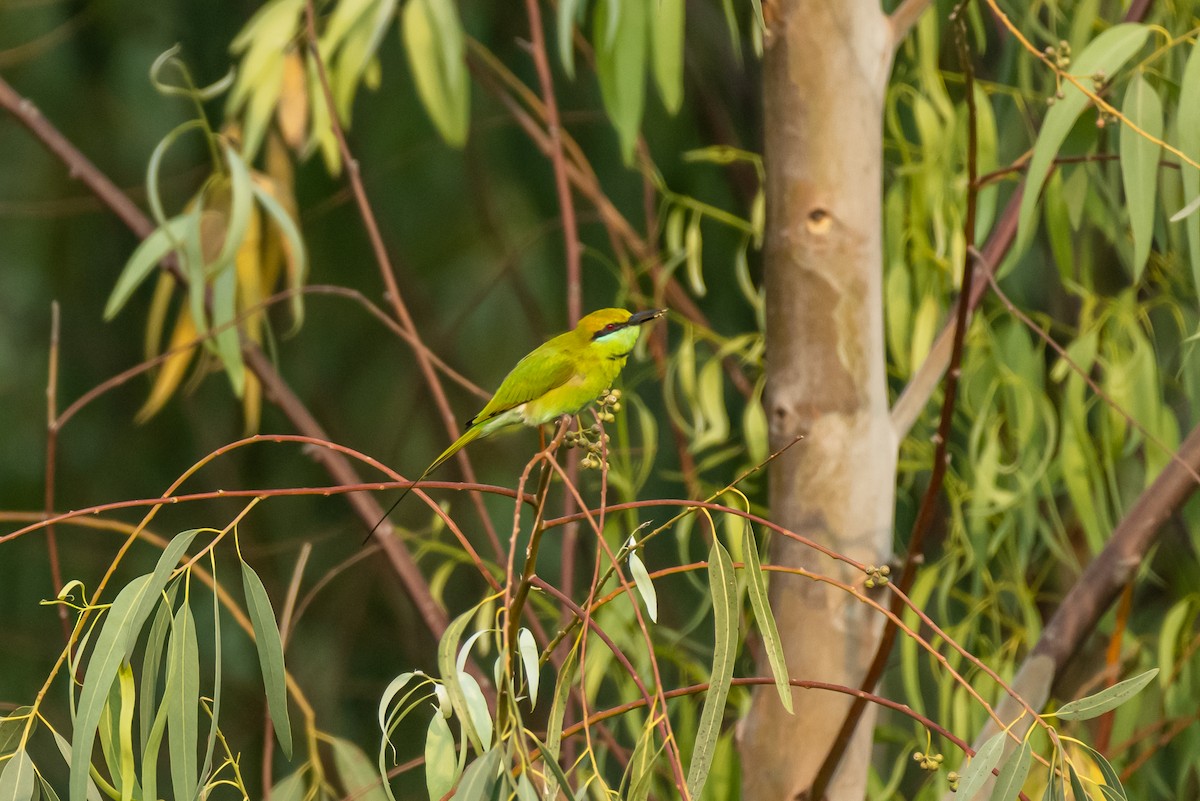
(592, 439)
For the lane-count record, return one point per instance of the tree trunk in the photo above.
(825, 71)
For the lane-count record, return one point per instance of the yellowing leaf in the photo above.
(172, 370)
(292, 111)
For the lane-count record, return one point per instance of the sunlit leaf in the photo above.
(447, 657)
(126, 775)
(645, 586)
(529, 660)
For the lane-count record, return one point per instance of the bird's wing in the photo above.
(543, 369)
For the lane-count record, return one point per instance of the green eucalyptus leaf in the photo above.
(1107, 699)
(360, 779)
(441, 761)
(620, 42)
(1012, 775)
(979, 769)
(723, 586)
(763, 617)
(1107, 53)
(183, 704)
(1139, 165)
(435, 45)
(667, 31)
(270, 655)
(1188, 124)
(645, 586)
(17, 780)
(479, 779)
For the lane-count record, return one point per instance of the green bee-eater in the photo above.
(562, 376)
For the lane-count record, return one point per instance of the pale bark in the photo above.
(825, 71)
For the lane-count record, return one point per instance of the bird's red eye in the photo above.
(610, 327)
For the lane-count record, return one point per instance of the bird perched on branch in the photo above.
(562, 376)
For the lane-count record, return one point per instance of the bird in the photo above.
(560, 377)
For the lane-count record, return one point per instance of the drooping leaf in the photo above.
(145, 259)
(667, 32)
(979, 769)
(1012, 775)
(1139, 165)
(359, 777)
(1107, 699)
(441, 762)
(183, 702)
(11, 728)
(293, 247)
(447, 654)
(569, 12)
(434, 43)
(1107, 53)
(215, 713)
(270, 655)
(293, 787)
(558, 709)
(171, 372)
(152, 663)
(529, 660)
(723, 586)
(479, 778)
(64, 748)
(645, 587)
(477, 708)
(621, 66)
(1188, 124)
(16, 782)
(1111, 788)
(764, 618)
(126, 771)
(122, 623)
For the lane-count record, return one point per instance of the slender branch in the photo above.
(51, 468)
(273, 383)
(537, 40)
(388, 273)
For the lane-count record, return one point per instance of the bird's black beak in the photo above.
(637, 318)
